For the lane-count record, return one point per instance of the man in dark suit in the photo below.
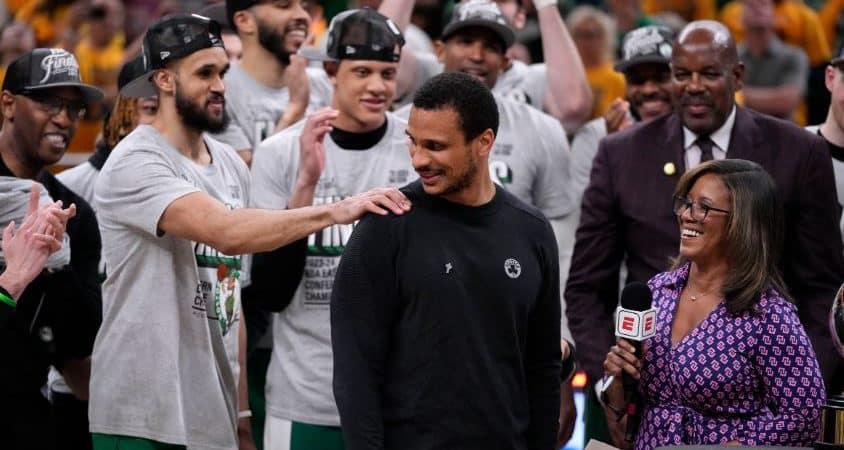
(627, 208)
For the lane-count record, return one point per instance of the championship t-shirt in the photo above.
(255, 109)
(530, 157)
(523, 83)
(165, 359)
(300, 372)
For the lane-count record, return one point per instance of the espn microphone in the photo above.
(635, 321)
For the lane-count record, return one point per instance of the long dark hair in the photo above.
(754, 230)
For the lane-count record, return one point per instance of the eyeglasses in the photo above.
(53, 105)
(698, 211)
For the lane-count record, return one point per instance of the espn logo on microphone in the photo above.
(635, 325)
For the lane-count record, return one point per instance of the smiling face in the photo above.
(446, 162)
(705, 240)
(706, 75)
(282, 27)
(648, 87)
(476, 51)
(199, 91)
(363, 90)
(41, 136)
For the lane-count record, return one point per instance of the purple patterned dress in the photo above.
(749, 378)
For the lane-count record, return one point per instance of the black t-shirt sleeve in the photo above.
(362, 312)
(276, 275)
(543, 359)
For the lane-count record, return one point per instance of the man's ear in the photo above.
(244, 22)
(520, 19)
(439, 50)
(7, 106)
(164, 81)
(829, 77)
(330, 68)
(738, 73)
(484, 142)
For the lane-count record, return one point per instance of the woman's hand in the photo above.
(622, 359)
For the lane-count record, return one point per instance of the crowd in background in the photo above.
(563, 80)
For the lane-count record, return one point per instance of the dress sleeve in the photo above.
(791, 382)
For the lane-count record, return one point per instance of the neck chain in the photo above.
(694, 297)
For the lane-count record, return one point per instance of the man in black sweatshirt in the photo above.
(445, 322)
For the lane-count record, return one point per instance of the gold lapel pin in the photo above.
(669, 169)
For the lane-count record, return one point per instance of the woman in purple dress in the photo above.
(730, 363)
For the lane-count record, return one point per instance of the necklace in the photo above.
(694, 297)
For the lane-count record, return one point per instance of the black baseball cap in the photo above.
(172, 38)
(362, 34)
(650, 44)
(218, 13)
(479, 13)
(47, 68)
(131, 70)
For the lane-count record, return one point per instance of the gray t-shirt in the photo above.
(523, 83)
(300, 372)
(80, 179)
(165, 358)
(781, 65)
(530, 157)
(255, 109)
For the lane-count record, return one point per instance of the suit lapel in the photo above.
(745, 140)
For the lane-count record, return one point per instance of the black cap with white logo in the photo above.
(479, 13)
(362, 34)
(171, 38)
(47, 68)
(650, 44)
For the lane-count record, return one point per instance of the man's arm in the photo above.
(815, 266)
(569, 97)
(201, 218)
(543, 356)
(400, 11)
(592, 288)
(363, 306)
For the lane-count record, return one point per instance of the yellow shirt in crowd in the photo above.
(47, 29)
(99, 67)
(797, 24)
(607, 85)
(689, 10)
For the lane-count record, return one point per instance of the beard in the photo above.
(196, 117)
(273, 41)
(465, 179)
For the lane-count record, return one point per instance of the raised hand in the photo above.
(27, 248)
(311, 147)
(299, 88)
(617, 116)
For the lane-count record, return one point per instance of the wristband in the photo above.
(244, 414)
(539, 4)
(7, 299)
